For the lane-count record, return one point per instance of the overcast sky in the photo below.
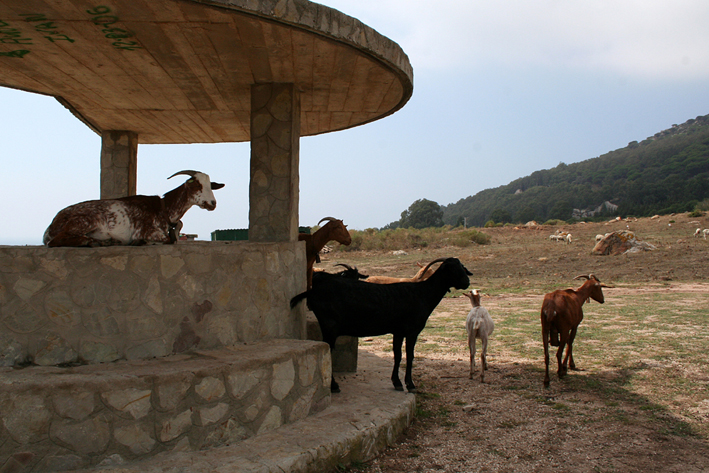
(501, 89)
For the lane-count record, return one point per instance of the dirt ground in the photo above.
(511, 423)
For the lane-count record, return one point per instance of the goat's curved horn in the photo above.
(584, 276)
(439, 260)
(346, 266)
(330, 219)
(185, 172)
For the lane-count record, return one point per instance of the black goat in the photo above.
(345, 306)
(349, 272)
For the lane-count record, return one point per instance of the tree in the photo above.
(525, 215)
(422, 214)
(500, 216)
(561, 210)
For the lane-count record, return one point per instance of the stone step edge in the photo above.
(198, 362)
(45, 412)
(362, 421)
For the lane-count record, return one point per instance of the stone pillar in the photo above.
(119, 163)
(275, 158)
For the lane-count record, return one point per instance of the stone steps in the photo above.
(57, 418)
(361, 421)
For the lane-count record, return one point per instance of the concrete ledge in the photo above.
(365, 418)
(98, 305)
(69, 418)
(344, 358)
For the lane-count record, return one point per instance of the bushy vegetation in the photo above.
(666, 173)
(411, 238)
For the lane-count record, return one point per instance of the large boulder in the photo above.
(621, 242)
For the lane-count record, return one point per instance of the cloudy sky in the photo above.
(501, 89)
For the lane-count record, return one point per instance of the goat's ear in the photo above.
(216, 185)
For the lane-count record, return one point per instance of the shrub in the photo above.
(409, 238)
(491, 223)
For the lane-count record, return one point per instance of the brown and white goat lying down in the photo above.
(479, 325)
(132, 220)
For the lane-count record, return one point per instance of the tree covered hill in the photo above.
(665, 173)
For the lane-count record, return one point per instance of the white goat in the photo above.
(568, 238)
(479, 325)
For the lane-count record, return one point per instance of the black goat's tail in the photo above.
(298, 298)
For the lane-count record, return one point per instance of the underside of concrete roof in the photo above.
(181, 71)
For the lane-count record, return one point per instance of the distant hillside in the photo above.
(667, 172)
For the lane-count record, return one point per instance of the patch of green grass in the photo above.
(428, 348)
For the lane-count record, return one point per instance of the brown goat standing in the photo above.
(562, 312)
(334, 229)
(421, 275)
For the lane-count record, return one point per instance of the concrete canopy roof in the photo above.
(180, 71)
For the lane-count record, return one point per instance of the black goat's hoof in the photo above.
(412, 389)
(399, 388)
(335, 390)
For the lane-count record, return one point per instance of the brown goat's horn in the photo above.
(439, 260)
(186, 172)
(583, 276)
(330, 219)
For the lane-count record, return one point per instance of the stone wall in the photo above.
(91, 305)
(54, 418)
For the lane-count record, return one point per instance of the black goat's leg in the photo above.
(398, 340)
(408, 379)
(334, 387)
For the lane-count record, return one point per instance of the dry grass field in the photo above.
(641, 400)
